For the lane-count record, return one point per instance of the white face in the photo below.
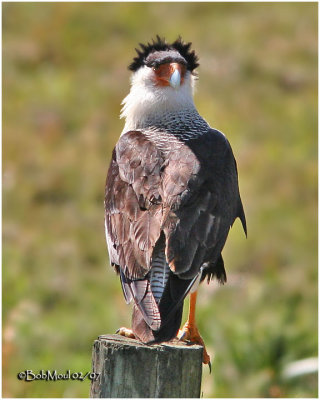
(157, 90)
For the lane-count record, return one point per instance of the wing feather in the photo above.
(206, 209)
(132, 214)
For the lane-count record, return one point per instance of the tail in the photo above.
(143, 332)
(170, 309)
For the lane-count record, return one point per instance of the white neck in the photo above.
(147, 103)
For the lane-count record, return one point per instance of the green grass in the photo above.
(64, 76)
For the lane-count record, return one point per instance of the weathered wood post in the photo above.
(130, 369)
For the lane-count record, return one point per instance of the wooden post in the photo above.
(128, 368)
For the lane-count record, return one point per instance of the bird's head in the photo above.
(162, 80)
(161, 64)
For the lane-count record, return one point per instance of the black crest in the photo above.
(160, 44)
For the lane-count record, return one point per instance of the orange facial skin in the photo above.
(164, 72)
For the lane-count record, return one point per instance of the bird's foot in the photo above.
(126, 332)
(190, 333)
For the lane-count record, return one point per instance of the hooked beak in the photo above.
(175, 78)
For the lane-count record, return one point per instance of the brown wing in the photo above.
(142, 191)
(133, 204)
(133, 214)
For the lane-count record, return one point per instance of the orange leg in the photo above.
(190, 331)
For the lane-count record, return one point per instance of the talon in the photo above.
(190, 332)
(206, 358)
(182, 335)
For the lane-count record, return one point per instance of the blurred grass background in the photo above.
(64, 76)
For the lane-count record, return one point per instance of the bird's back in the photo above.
(170, 202)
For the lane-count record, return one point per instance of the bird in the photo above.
(171, 195)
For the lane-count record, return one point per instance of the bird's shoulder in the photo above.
(138, 163)
(211, 147)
